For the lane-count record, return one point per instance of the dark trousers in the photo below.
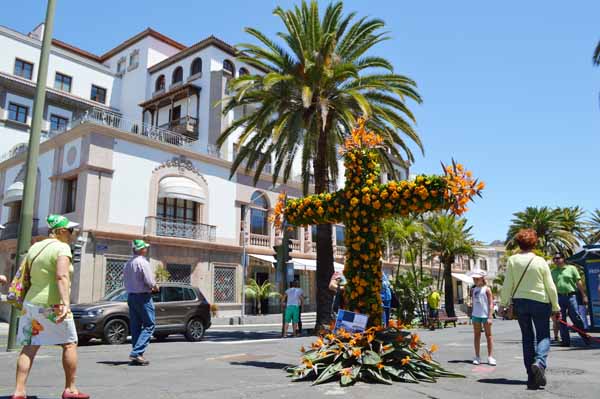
(536, 345)
(568, 306)
(141, 319)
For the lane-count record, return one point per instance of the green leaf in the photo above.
(371, 358)
(377, 376)
(329, 373)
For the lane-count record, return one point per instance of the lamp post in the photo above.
(27, 204)
(244, 266)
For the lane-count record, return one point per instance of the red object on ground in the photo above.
(579, 331)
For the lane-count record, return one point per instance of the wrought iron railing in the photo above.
(178, 228)
(11, 230)
(114, 120)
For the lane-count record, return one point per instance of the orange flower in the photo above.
(308, 363)
(346, 372)
(380, 366)
(302, 349)
(356, 352)
(414, 341)
(317, 344)
(434, 348)
(406, 360)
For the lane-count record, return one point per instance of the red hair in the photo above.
(527, 239)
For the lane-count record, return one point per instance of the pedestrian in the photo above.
(433, 302)
(139, 281)
(292, 301)
(336, 285)
(482, 315)
(528, 284)
(46, 318)
(567, 281)
(386, 298)
(582, 309)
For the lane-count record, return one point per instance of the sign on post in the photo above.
(350, 321)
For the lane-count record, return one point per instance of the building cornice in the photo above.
(140, 36)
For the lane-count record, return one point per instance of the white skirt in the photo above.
(38, 326)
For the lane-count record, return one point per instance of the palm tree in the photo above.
(572, 220)
(448, 237)
(594, 228)
(318, 80)
(596, 57)
(554, 236)
(260, 292)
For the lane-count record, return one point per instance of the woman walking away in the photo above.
(483, 313)
(528, 284)
(46, 318)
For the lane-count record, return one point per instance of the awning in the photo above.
(14, 193)
(299, 264)
(181, 187)
(464, 278)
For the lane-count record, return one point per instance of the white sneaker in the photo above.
(491, 361)
(476, 361)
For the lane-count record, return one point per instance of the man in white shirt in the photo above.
(292, 300)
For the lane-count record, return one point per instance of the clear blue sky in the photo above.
(508, 87)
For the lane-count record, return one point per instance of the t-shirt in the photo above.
(481, 303)
(44, 287)
(138, 276)
(566, 279)
(434, 300)
(293, 296)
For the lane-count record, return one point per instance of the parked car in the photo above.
(180, 309)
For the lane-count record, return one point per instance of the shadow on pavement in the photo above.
(461, 361)
(502, 381)
(114, 363)
(264, 365)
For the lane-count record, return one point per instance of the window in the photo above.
(58, 123)
(160, 83)
(259, 211)
(23, 69)
(196, 67)
(483, 264)
(189, 294)
(228, 67)
(243, 71)
(134, 59)
(177, 75)
(224, 284)
(113, 278)
(98, 94)
(179, 273)
(62, 82)
(177, 209)
(172, 294)
(339, 236)
(176, 113)
(17, 113)
(70, 195)
(121, 65)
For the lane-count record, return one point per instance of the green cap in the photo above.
(60, 222)
(138, 245)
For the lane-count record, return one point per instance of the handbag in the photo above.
(511, 313)
(22, 281)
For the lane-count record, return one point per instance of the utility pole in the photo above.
(26, 220)
(245, 236)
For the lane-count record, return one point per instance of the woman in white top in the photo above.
(483, 313)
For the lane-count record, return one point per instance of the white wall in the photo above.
(45, 163)
(75, 148)
(11, 137)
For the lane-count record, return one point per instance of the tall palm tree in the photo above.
(260, 292)
(594, 228)
(554, 236)
(448, 237)
(572, 219)
(318, 80)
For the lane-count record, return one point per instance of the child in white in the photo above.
(483, 311)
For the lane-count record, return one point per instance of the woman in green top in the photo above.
(528, 283)
(46, 318)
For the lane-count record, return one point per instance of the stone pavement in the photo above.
(247, 363)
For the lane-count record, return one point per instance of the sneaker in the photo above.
(477, 361)
(491, 361)
(539, 374)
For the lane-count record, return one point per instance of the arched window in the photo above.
(177, 75)
(196, 67)
(228, 67)
(243, 71)
(160, 83)
(259, 214)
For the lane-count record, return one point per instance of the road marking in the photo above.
(242, 341)
(251, 325)
(227, 356)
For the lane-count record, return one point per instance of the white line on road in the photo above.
(242, 341)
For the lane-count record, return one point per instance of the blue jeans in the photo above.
(568, 305)
(141, 320)
(387, 307)
(535, 347)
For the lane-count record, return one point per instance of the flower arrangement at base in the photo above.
(378, 355)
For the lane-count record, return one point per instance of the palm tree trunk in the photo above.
(324, 240)
(448, 289)
(259, 306)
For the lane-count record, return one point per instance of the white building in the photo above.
(128, 150)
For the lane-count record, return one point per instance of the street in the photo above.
(247, 362)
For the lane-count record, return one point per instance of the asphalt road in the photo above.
(247, 362)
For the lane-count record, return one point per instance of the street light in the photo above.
(27, 204)
(245, 237)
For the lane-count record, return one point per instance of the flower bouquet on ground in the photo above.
(377, 355)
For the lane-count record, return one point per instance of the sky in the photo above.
(509, 88)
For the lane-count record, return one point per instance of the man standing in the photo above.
(292, 300)
(386, 298)
(433, 300)
(567, 280)
(140, 284)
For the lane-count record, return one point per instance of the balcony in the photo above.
(186, 125)
(260, 240)
(11, 230)
(163, 227)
